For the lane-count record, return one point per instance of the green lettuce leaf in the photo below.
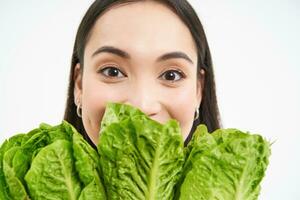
(18, 155)
(14, 141)
(52, 173)
(227, 164)
(140, 158)
(63, 167)
(15, 186)
(88, 168)
(93, 190)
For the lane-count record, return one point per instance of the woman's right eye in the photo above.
(112, 72)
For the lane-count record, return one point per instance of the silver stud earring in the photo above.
(197, 114)
(78, 109)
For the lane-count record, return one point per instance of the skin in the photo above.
(161, 88)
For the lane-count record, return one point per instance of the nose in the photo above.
(145, 99)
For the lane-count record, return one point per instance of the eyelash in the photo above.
(103, 70)
(177, 73)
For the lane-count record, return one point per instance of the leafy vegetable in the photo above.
(137, 158)
(52, 174)
(140, 158)
(50, 162)
(227, 164)
(12, 142)
(88, 168)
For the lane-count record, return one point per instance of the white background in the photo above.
(254, 44)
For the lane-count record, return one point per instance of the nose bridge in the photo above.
(142, 95)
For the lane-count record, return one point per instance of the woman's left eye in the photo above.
(112, 72)
(172, 75)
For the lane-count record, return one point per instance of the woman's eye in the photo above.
(112, 72)
(172, 75)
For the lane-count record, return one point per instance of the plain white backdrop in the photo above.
(254, 45)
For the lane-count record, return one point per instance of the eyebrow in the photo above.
(113, 50)
(124, 54)
(176, 54)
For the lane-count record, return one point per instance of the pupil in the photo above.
(113, 72)
(170, 76)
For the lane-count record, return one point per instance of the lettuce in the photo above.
(50, 163)
(13, 142)
(88, 167)
(136, 158)
(140, 158)
(226, 164)
(52, 174)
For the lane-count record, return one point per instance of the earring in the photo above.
(197, 114)
(78, 108)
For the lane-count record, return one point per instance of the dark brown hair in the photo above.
(208, 110)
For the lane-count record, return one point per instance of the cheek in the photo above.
(182, 108)
(93, 103)
(95, 95)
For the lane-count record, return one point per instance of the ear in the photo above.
(77, 82)
(200, 86)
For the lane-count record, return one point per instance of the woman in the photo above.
(150, 54)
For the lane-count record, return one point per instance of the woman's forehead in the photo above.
(142, 26)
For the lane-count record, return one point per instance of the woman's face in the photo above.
(140, 54)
